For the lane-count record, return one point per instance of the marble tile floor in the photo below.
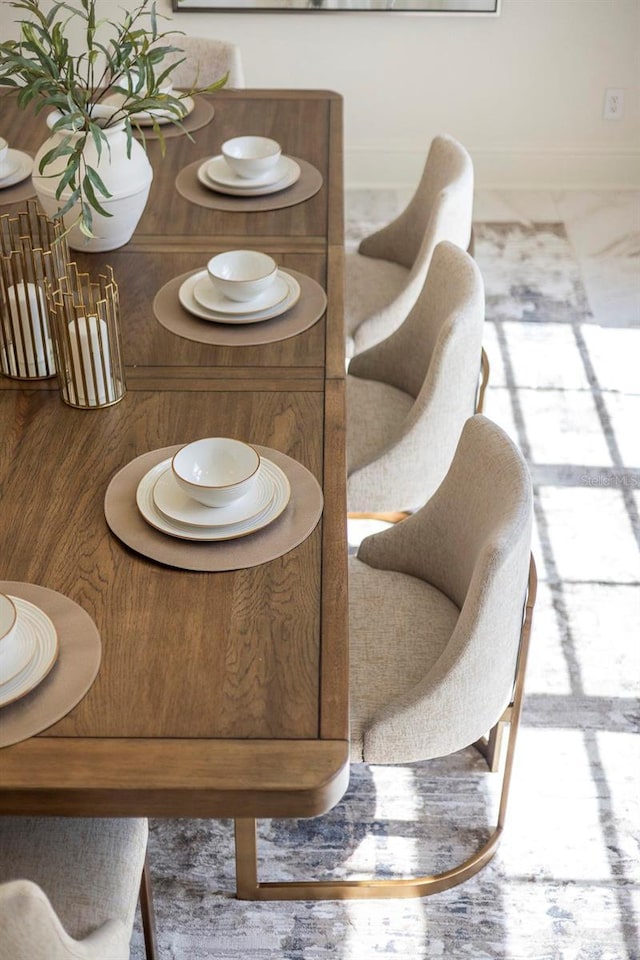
(562, 277)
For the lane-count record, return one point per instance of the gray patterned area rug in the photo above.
(564, 884)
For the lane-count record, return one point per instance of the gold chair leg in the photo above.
(248, 887)
(491, 746)
(392, 517)
(148, 914)
(484, 380)
(246, 859)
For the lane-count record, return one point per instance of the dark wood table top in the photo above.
(219, 694)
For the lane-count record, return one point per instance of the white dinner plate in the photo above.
(189, 302)
(11, 166)
(148, 509)
(22, 171)
(176, 505)
(293, 174)
(221, 174)
(208, 296)
(15, 653)
(33, 623)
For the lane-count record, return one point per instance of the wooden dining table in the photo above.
(219, 694)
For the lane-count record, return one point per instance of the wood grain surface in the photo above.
(220, 694)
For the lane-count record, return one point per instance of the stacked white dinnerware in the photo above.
(239, 286)
(15, 166)
(249, 166)
(216, 488)
(28, 647)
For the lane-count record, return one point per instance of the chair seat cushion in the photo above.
(375, 415)
(369, 285)
(398, 627)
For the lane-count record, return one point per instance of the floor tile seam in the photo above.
(624, 475)
(559, 582)
(607, 427)
(605, 391)
(609, 701)
(609, 830)
(549, 562)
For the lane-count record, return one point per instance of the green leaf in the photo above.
(65, 179)
(85, 223)
(99, 138)
(87, 187)
(63, 149)
(97, 182)
(70, 202)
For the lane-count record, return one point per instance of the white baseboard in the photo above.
(396, 167)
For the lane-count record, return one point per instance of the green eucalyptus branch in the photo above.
(126, 59)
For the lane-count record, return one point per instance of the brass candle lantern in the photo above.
(33, 252)
(85, 318)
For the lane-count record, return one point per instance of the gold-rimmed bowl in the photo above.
(242, 275)
(215, 471)
(251, 157)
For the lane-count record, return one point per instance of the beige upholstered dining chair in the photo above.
(69, 887)
(439, 621)
(409, 396)
(205, 61)
(384, 278)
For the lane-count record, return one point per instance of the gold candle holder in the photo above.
(86, 331)
(33, 252)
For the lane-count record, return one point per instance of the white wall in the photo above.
(524, 91)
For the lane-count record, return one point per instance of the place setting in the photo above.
(250, 173)
(241, 297)
(196, 112)
(15, 169)
(217, 503)
(50, 653)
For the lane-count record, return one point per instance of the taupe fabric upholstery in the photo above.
(409, 396)
(459, 567)
(69, 887)
(205, 61)
(384, 279)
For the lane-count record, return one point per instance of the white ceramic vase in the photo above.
(127, 179)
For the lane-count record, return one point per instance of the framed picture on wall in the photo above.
(441, 7)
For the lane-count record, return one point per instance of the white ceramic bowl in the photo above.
(251, 157)
(8, 617)
(216, 471)
(242, 274)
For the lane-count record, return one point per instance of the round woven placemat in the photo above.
(72, 674)
(294, 525)
(200, 116)
(172, 315)
(188, 186)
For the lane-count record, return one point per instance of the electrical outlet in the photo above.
(613, 104)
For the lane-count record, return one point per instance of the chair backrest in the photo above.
(205, 61)
(472, 541)
(440, 209)
(30, 929)
(74, 876)
(434, 356)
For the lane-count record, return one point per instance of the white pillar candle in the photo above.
(28, 313)
(91, 361)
